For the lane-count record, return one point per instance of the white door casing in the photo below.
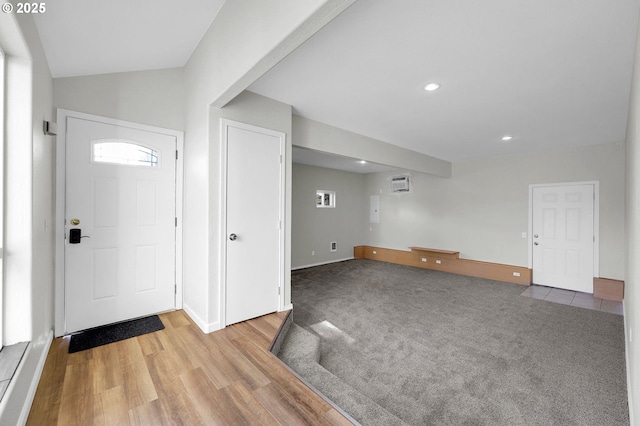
(252, 224)
(563, 235)
(128, 263)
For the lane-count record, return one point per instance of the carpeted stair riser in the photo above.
(301, 351)
(282, 334)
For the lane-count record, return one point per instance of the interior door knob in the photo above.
(233, 237)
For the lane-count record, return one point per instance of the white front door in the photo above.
(253, 232)
(120, 226)
(563, 236)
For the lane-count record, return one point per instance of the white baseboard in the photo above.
(321, 263)
(21, 414)
(26, 408)
(202, 325)
(626, 357)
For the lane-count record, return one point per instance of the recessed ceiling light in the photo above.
(431, 87)
(362, 162)
(507, 138)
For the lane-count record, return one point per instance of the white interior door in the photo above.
(121, 197)
(563, 236)
(254, 208)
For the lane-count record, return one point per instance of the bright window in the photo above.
(120, 152)
(325, 199)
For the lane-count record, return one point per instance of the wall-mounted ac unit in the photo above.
(400, 183)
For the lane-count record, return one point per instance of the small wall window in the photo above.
(325, 199)
(119, 152)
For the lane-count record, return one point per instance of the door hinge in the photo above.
(594, 238)
(176, 154)
(176, 222)
(278, 291)
(175, 289)
(280, 158)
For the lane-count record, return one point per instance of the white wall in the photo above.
(312, 228)
(632, 218)
(153, 97)
(483, 209)
(29, 240)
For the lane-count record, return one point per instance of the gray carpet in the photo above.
(435, 348)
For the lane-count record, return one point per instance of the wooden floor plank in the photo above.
(295, 390)
(107, 372)
(138, 387)
(77, 402)
(251, 408)
(257, 336)
(282, 407)
(111, 407)
(151, 413)
(176, 319)
(45, 409)
(173, 404)
(150, 343)
(178, 375)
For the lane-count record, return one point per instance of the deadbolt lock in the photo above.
(75, 221)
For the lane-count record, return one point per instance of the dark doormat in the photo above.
(114, 333)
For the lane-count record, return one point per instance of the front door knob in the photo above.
(233, 237)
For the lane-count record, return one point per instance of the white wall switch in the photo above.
(439, 262)
(424, 259)
(516, 274)
(375, 252)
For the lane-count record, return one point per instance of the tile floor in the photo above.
(573, 298)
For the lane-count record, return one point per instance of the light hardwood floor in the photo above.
(178, 375)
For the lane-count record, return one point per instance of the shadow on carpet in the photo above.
(437, 348)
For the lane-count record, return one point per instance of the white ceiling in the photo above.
(84, 37)
(551, 73)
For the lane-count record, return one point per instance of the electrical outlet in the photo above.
(375, 252)
(439, 262)
(424, 259)
(516, 274)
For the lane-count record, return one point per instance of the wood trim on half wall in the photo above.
(608, 289)
(447, 261)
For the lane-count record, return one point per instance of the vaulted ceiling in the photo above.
(551, 74)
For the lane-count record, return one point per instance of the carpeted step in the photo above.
(301, 352)
(300, 344)
(282, 333)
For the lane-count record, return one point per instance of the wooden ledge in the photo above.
(448, 254)
(447, 261)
